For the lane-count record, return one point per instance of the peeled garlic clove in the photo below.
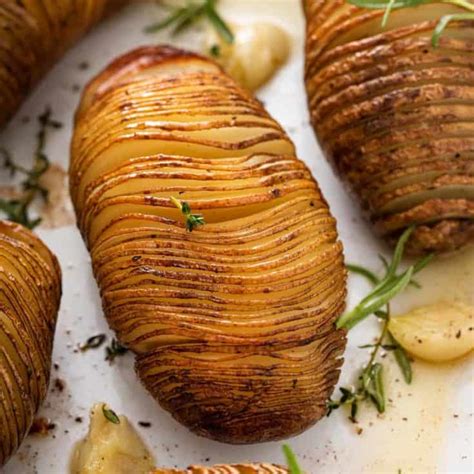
(258, 51)
(436, 333)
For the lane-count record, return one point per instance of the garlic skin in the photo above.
(257, 53)
(439, 332)
(110, 448)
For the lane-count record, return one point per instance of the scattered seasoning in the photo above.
(41, 426)
(78, 419)
(84, 65)
(186, 16)
(215, 51)
(192, 220)
(370, 385)
(115, 349)
(110, 415)
(144, 424)
(458, 334)
(93, 342)
(18, 209)
(59, 385)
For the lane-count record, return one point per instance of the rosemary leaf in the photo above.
(369, 275)
(402, 359)
(114, 350)
(291, 460)
(218, 23)
(192, 220)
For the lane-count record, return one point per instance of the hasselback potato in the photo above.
(33, 35)
(228, 469)
(30, 290)
(395, 115)
(233, 323)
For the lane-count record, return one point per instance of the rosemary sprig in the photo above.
(114, 350)
(390, 5)
(18, 209)
(110, 415)
(291, 460)
(370, 385)
(192, 220)
(183, 17)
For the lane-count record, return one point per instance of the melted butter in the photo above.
(110, 448)
(257, 53)
(410, 435)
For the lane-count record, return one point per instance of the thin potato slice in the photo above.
(387, 107)
(30, 290)
(232, 324)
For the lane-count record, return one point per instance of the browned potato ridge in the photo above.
(232, 324)
(30, 290)
(228, 469)
(33, 36)
(396, 116)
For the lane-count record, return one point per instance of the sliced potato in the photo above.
(395, 116)
(438, 332)
(232, 324)
(30, 290)
(228, 469)
(33, 35)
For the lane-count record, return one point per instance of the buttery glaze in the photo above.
(30, 290)
(258, 52)
(232, 324)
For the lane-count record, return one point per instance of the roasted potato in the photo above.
(33, 35)
(30, 290)
(228, 469)
(395, 115)
(233, 323)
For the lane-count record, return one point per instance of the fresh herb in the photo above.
(110, 415)
(215, 50)
(291, 460)
(93, 342)
(370, 385)
(114, 350)
(192, 220)
(18, 209)
(183, 17)
(390, 5)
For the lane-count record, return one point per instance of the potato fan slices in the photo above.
(227, 469)
(233, 323)
(33, 35)
(30, 290)
(396, 115)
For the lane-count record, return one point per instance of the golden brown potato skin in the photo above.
(396, 116)
(30, 291)
(33, 36)
(233, 323)
(228, 469)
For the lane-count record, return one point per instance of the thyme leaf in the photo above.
(183, 17)
(192, 220)
(114, 350)
(291, 460)
(390, 5)
(18, 209)
(110, 415)
(370, 385)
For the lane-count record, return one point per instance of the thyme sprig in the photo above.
(192, 220)
(18, 209)
(185, 16)
(370, 383)
(291, 460)
(390, 5)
